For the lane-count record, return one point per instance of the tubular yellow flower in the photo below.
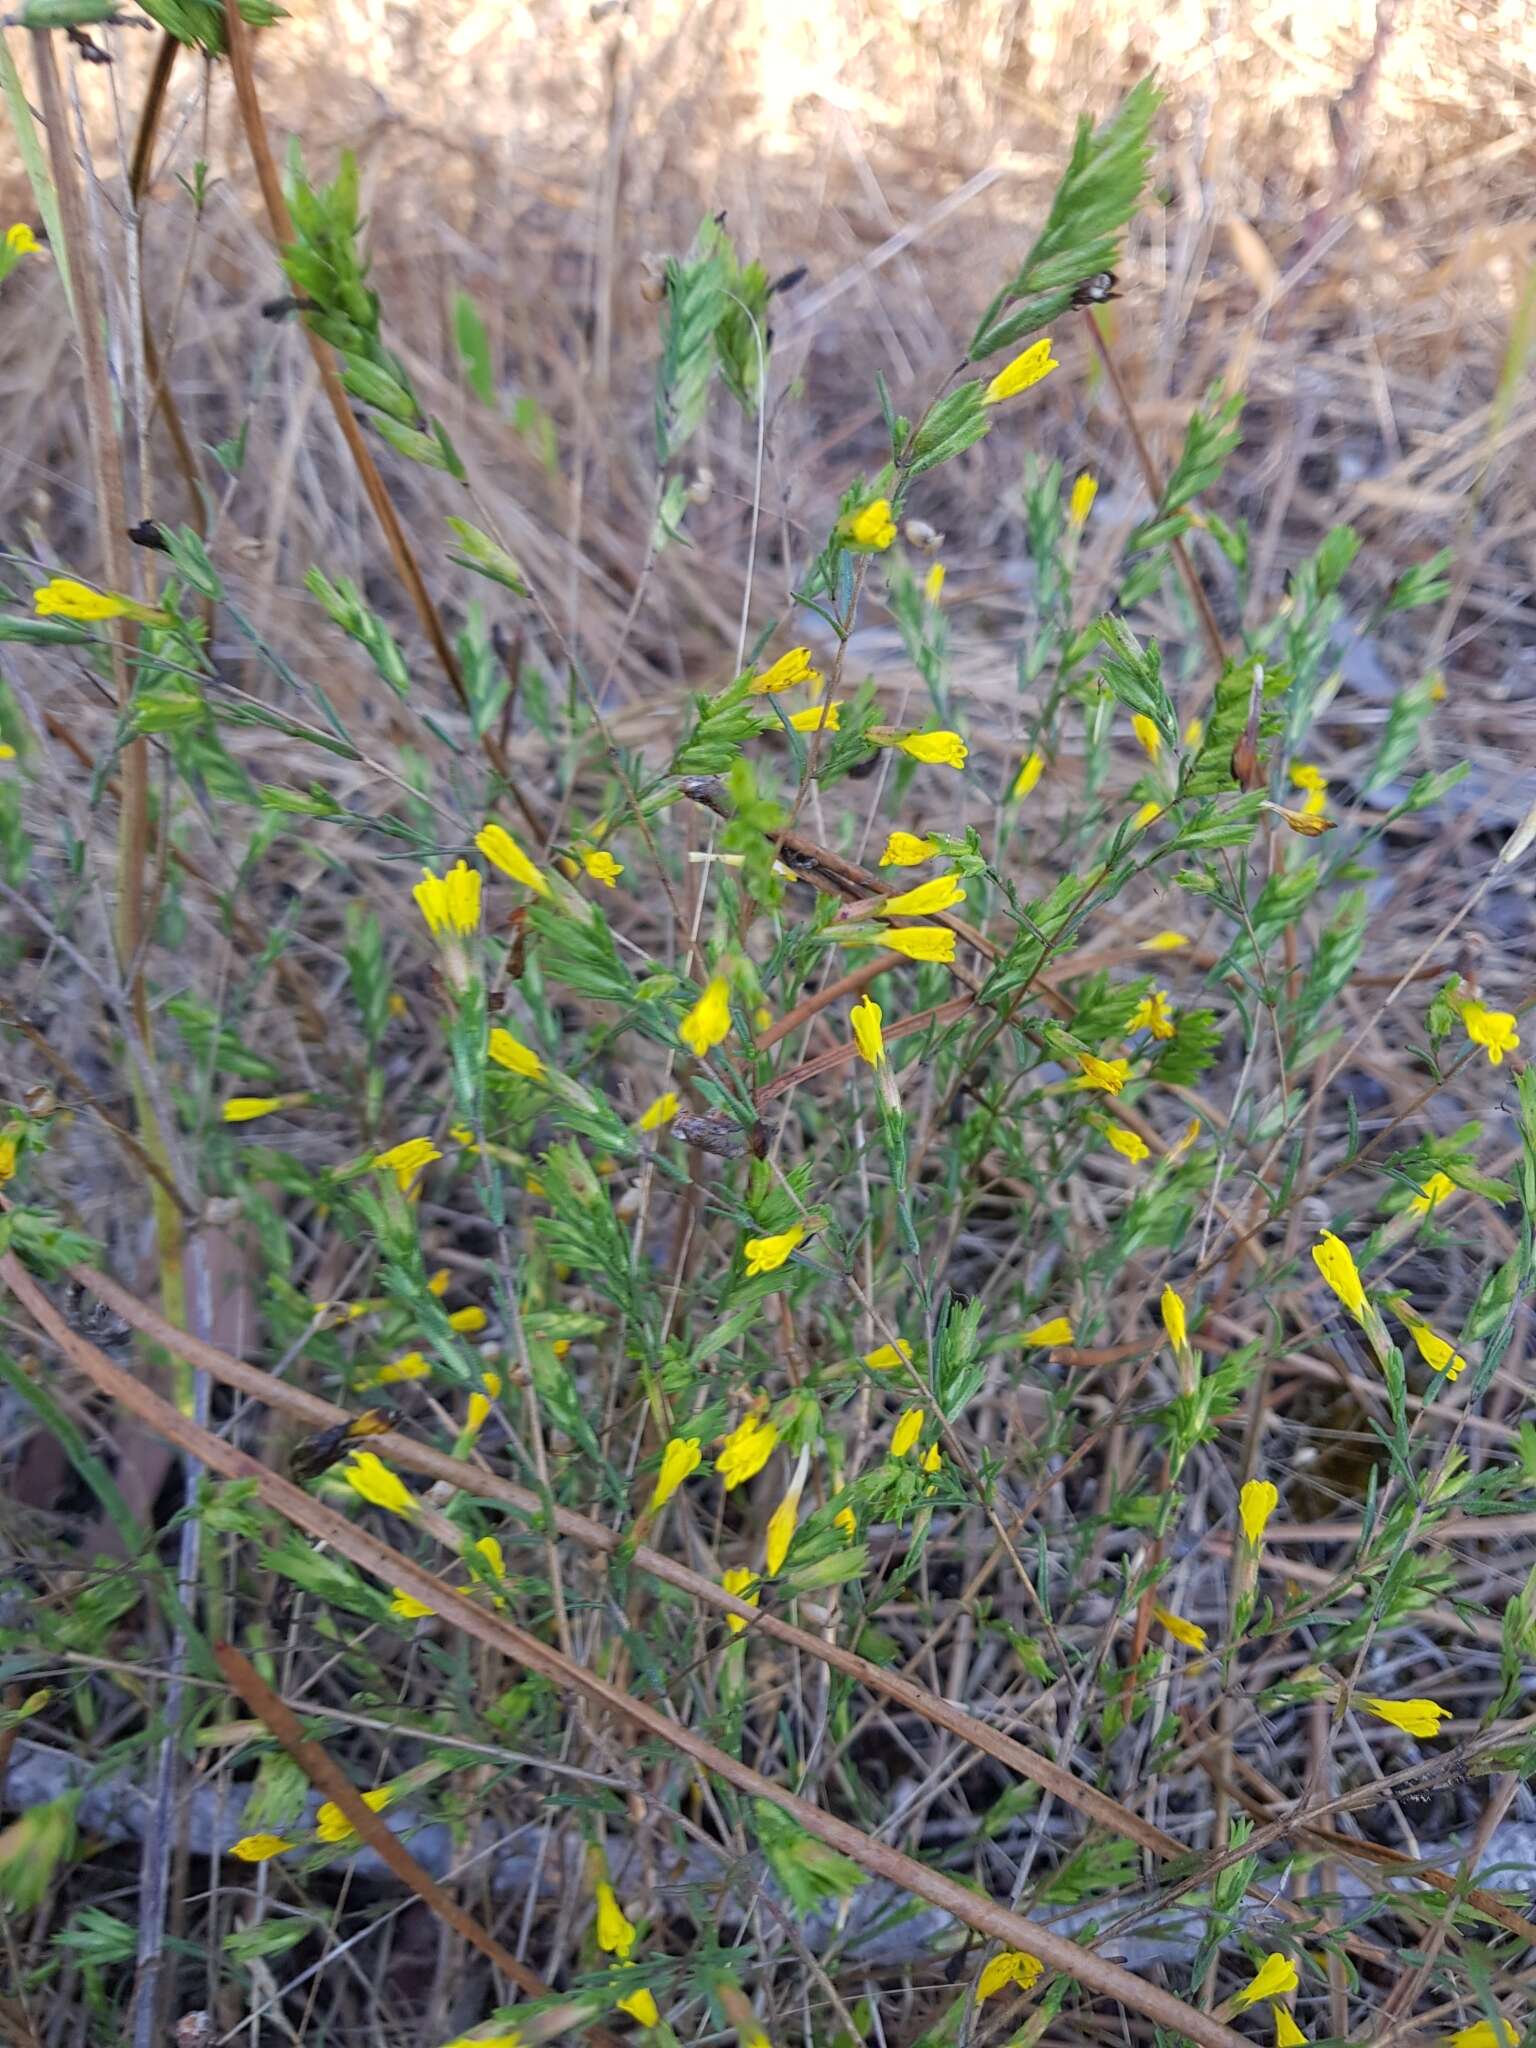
(1127, 1143)
(491, 1381)
(410, 1366)
(1485, 2034)
(450, 903)
(1047, 1335)
(476, 1413)
(746, 1451)
(867, 1035)
(939, 749)
(932, 1459)
(933, 583)
(1287, 2033)
(909, 1428)
(406, 1607)
(926, 899)
(1436, 1353)
(503, 851)
(818, 718)
(789, 669)
(1255, 1504)
(871, 527)
(332, 1825)
(602, 867)
(1314, 782)
(781, 1523)
(1175, 1321)
(922, 942)
(1181, 1145)
(615, 1934)
(516, 1057)
(739, 1580)
(1310, 824)
(20, 241)
(661, 1112)
(846, 1520)
(1189, 1633)
(1031, 768)
(1025, 370)
(641, 2006)
(1493, 1030)
(1084, 491)
(767, 1254)
(369, 1476)
(244, 1109)
(406, 1161)
(468, 1321)
(64, 598)
(1013, 1966)
(1438, 1188)
(1152, 1014)
(1194, 732)
(906, 850)
(490, 1550)
(680, 1458)
(1145, 815)
(1333, 1260)
(259, 1848)
(1108, 1075)
(1274, 1978)
(709, 1021)
(1163, 942)
(887, 1356)
(504, 2037)
(9, 1152)
(1414, 1717)
(1147, 733)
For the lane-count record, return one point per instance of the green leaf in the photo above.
(1133, 674)
(1209, 439)
(695, 287)
(807, 1871)
(474, 348)
(1425, 583)
(486, 557)
(1227, 721)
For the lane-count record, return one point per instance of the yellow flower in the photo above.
(1084, 491)
(411, 1366)
(504, 2037)
(516, 1057)
(1031, 768)
(1255, 1504)
(1315, 783)
(1152, 1014)
(846, 1520)
(737, 1580)
(1414, 1717)
(867, 1035)
(909, 1428)
(491, 1381)
(781, 1523)
(746, 1451)
(922, 942)
(1494, 1030)
(407, 1160)
(940, 749)
(1485, 2034)
(371, 1477)
(1163, 942)
(7, 751)
(789, 669)
(767, 1254)
(615, 1934)
(1274, 1978)
(678, 1460)
(488, 1548)
(1181, 1145)
(438, 1282)
(1146, 731)
(257, 1848)
(888, 1356)
(332, 1825)
(1013, 1966)
(932, 1460)
(1145, 815)
(1438, 1188)
(1436, 1353)
(9, 1152)
(244, 1109)
(450, 903)
(1045, 1336)
(641, 2005)
(1287, 2033)
(476, 1413)
(1331, 1255)
(468, 1321)
(933, 583)
(1026, 369)
(871, 527)
(1175, 1321)
(406, 1607)
(602, 867)
(66, 599)
(1187, 1632)
(503, 851)
(20, 241)
(926, 899)
(818, 718)
(1109, 1075)
(906, 850)
(1194, 732)
(1127, 1143)
(709, 1021)
(661, 1111)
